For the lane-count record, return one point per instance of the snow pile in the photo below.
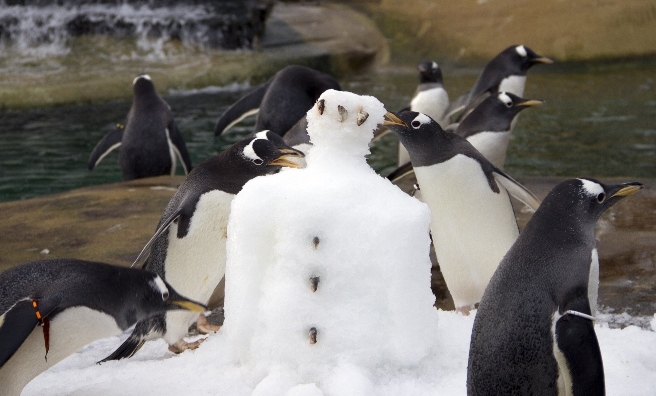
(334, 253)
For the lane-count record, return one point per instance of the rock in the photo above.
(479, 29)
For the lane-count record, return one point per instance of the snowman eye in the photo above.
(601, 197)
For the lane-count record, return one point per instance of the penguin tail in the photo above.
(143, 331)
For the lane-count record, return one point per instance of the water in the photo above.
(598, 120)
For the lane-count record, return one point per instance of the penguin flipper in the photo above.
(105, 146)
(247, 105)
(401, 172)
(517, 190)
(179, 147)
(15, 326)
(134, 342)
(578, 342)
(145, 252)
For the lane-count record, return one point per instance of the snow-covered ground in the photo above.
(629, 363)
(337, 249)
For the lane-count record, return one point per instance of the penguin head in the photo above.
(420, 134)
(266, 152)
(160, 297)
(495, 113)
(520, 58)
(429, 72)
(586, 199)
(142, 84)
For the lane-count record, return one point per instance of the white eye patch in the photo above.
(160, 286)
(521, 51)
(591, 188)
(249, 152)
(146, 76)
(420, 120)
(262, 135)
(505, 99)
(434, 66)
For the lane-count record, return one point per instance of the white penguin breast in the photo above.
(593, 282)
(69, 331)
(472, 226)
(564, 375)
(493, 146)
(513, 84)
(195, 263)
(432, 102)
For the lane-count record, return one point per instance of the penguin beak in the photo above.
(189, 305)
(627, 189)
(543, 59)
(392, 119)
(530, 103)
(288, 158)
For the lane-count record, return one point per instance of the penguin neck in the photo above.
(560, 227)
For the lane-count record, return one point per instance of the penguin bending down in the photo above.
(51, 308)
(534, 330)
(473, 224)
(430, 98)
(150, 142)
(489, 125)
(506, 72)
(188, 248)
(281, 102)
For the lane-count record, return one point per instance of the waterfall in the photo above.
(47, 28)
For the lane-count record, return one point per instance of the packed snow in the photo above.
(327, 293)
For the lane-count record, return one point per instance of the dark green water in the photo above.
(598, 120)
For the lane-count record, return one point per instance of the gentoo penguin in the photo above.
(430, 98)
(281, 102)
(489, 125)
(150, 140)
(188, 248)
(534, 329)
(504, 73)
(473, 224)
(73, 303)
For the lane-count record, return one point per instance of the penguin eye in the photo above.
(165, 296)
(601, 197)
(258, 161)
(509, 104)
(415, 124)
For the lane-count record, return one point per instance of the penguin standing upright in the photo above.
(188, 248)
(534, 330)
(489, 125)
(281, 102)
(74, 302)
(150, 141)
(473, 224)
(430, 98)
(506, 72)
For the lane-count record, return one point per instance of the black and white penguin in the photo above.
(473, 224)
(534, 329)
(489, 125)
(51, 308)
(188, 248)
(430, 98)
(506, 72)
(149, 142)
(281, 102)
